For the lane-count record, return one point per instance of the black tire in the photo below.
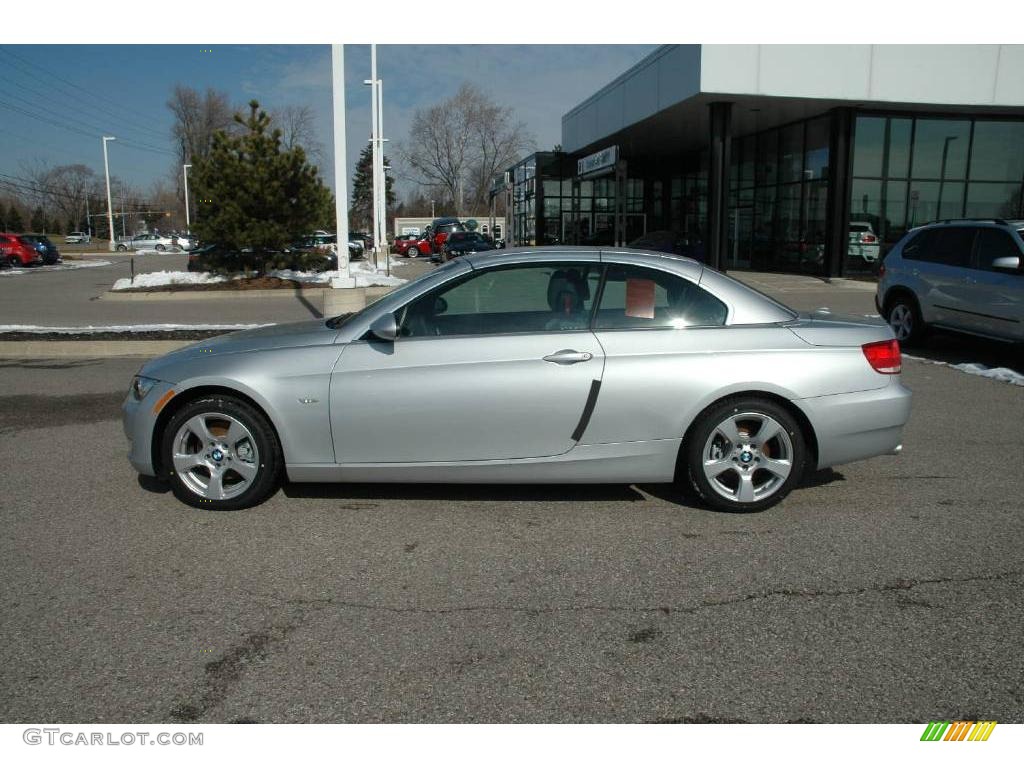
(704, 429)
(413, 252)
(122, 247)
(900, 310)
(161, 247)
(271, 459)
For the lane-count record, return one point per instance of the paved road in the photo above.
(888, 590)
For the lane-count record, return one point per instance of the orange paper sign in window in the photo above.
(639, 298)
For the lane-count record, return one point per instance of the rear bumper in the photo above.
(858, 425)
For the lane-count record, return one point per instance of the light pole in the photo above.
(942, 174)
(432, 210)
(110, 205)
(344, 278)
(188, 220)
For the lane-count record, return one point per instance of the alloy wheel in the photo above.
(748, 457)
(215, 456)
(901, 319)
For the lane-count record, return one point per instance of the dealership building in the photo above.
(780, 157)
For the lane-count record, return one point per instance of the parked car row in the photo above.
(156, 241)
(27, 250)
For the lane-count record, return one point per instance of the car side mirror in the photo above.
(1006, 263)
(385, 327)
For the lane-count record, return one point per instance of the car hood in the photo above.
(301, 334)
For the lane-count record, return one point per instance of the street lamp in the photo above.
(110, 205)
(188, 220)
(432, 209)
(942, 174)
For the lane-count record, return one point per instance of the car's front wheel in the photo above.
(219, 452)
(904, 318)
(161, 247)
(745, 455)
(122, 247)
(413, 252)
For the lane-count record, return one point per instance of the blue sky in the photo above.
(122, 90)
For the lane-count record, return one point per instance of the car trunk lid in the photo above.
(824, 328)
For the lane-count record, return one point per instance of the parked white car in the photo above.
(863, 241)
(148, 242)
(77, 237)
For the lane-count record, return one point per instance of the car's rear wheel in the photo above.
(745, 455)
(413, 252)
(904, 317)
(161, 247)
(122, 247)
(219, 452)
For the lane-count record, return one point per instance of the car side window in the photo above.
(636, 297)
(994, 244)
(534, 298)
(952, 246)
(918, 248)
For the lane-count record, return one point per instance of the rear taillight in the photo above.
(881, 269)
(866, 238)
(884, 356)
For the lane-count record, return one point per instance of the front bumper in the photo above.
(139, 420)
(858, 425)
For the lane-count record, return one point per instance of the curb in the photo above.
(51, 349)
(317, 291)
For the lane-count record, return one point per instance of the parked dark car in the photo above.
(45, 246)
(17, 252)
(441, 228)
(222, 260)
(460, 243)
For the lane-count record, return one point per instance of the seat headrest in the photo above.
(567, 290)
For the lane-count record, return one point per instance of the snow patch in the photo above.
(154, 279)
(1007, 375)
(365, 276)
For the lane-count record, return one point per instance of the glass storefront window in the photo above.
(766, 170)
(997, 151)
(894, 212)
(940, 149)
(816, 151)
(899, 147)
(866, 201)
(552, 188)
(791, 153)
(932, 200)
(868, 146)
(1001, 201)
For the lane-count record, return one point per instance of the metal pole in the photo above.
(942, 175)
(124, 233)
(375, 149)
(88, 220)
(344, 279)
(188, 220)
(383, 212)
(110, 205)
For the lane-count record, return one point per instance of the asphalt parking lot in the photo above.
(883, 591)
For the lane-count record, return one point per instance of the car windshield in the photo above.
(409, 289)
(860, 228)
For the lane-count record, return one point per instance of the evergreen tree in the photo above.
(14, 220)
(38, 222)
(361, 211)
(251, 192)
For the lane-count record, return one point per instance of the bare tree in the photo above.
(196, 118)
(460, 145)
(62, 190)
(298, 129)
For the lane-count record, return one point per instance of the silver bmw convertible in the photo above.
(543, 365)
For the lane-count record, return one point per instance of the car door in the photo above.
(994, 298)
(498, 363)
(949, 260)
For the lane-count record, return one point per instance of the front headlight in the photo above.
(141, 386)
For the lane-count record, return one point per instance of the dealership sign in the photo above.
(598, 162)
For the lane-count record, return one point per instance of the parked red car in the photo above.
(17, 252)
(412, 246)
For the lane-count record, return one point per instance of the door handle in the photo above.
(568, 357)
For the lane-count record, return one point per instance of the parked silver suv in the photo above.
(964, 275)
